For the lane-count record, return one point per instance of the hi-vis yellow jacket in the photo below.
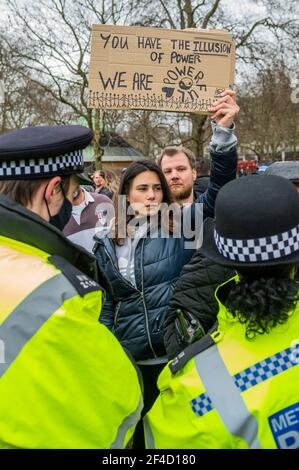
(234, 394)
(65, 381)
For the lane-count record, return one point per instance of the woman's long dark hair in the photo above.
(264, 298)
(126, 182)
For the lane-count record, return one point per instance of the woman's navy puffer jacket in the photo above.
(136, 315)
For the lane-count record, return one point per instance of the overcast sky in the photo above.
(237, 7)
(240, 7)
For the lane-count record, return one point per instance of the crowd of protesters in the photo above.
(157, 308)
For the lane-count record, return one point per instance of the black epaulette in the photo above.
(191, 351)
(81, 282)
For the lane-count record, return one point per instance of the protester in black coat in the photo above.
(194, 292)
(203, 171)
(200, 185)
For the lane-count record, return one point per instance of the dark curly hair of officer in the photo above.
(264, 298)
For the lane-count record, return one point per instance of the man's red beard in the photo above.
(181, 194)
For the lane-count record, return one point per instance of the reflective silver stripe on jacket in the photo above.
(127, 423)
(149, 438)
(226, 397)
(31, 314)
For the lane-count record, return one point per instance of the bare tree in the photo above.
(49, 43)
(24, 103)
(52, 42)
(260, 29)
(150, 131)
(269, 123)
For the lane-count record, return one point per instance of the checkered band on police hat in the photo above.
(259, 249)
(34, 167)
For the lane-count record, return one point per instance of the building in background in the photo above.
(118, 153)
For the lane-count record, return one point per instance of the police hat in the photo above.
(288, 170)
(84, 180)
(256, 223)
(43, 151)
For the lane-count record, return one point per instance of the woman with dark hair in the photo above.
(142, 260)
(238, 386)
(140, 196)
(263, 298)
(101, 184)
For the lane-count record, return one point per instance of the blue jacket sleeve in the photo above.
(223, 170)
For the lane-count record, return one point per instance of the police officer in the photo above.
(65, 380)
(238, 386)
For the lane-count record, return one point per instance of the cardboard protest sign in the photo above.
(159, 69)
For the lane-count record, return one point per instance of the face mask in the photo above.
(61, 219)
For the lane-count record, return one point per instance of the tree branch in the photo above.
(249, 33)
(189, 12)
(182, 18)
(171, 22)
(198, 6)
(210, 14)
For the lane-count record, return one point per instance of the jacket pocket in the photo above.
(159, 323)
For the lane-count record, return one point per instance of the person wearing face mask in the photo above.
(62, 372)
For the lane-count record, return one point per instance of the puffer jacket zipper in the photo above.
(116, 314)
(141, 294)
(144, 304)
(117, 270)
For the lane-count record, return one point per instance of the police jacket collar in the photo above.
(21, 224)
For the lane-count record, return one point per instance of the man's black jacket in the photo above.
(194, 292)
